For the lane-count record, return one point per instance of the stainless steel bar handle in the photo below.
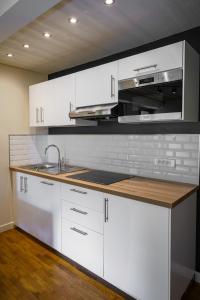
(70, 109)
(70, 106)
(47, 183)
(106, 210)
(79, 231)
(25, 185)
(37, 115)
(21, 184)
(144, 68)
(112, 86)
(78, 191)
(42, 114)
(79, 211)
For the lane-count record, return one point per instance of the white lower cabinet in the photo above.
(149, 250)
(83, 216)
(136, 248)
(38, 208)
(146, 250)
(82, 227)
(23, 209)
(83, 245)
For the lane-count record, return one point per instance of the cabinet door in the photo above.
(21, 207)
(37, 95)
(46, 214)
(136, 248)
(59, 101)
(161, 59)
(97, 85)
(24, 207)
(38, 208)
(83, 245)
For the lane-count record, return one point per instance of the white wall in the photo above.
(13, 119)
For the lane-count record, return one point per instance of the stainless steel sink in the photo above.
(45, 166)
(51, 168)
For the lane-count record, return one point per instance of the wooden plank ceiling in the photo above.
(101, 31)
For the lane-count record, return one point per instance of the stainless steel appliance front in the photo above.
(151, 97)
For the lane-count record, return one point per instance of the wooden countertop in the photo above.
(158, 192)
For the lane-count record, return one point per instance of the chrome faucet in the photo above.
(59, 159)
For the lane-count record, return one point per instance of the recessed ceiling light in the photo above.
(26, 46)
(73, 20)
(109, 2)
(10, 55)
(47, 35)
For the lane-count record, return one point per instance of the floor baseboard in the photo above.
(6, 227)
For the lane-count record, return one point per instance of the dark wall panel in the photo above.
(140, 128)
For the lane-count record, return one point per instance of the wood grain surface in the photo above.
(29, 271)
(154, 191)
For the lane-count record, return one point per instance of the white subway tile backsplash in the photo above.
(175, 146)
(131, 154)
(27, 149)
(182, 154)
(193, 146)
(190, 163)
(183, 138)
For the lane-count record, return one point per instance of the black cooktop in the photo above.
(101, 177)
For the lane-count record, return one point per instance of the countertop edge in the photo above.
(105, 189)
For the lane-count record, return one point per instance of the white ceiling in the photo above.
(101, 31)
(6, 5)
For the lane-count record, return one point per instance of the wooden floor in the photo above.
(193, 293)
(29, 271)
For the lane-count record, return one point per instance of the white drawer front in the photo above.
(83, 246)
(84, 197)
(161, 59)
(83, 216)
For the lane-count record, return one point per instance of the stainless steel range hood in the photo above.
(94, 112)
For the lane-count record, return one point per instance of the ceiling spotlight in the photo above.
(73, 20)
(47, 35)
(109, 2)
(26, 46)
(10, 55)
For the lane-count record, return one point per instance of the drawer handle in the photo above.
(112, 86)
(79, 211)
(106, 210)
(78, 231)
(144, 68)
(25, 185)
(78, 191)
(21, 184)
(47, 183)
(37, 115)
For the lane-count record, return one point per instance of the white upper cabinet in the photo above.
(50, 102)
(160, 59)
(37, 94)
(60, 99)
(97, 85)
